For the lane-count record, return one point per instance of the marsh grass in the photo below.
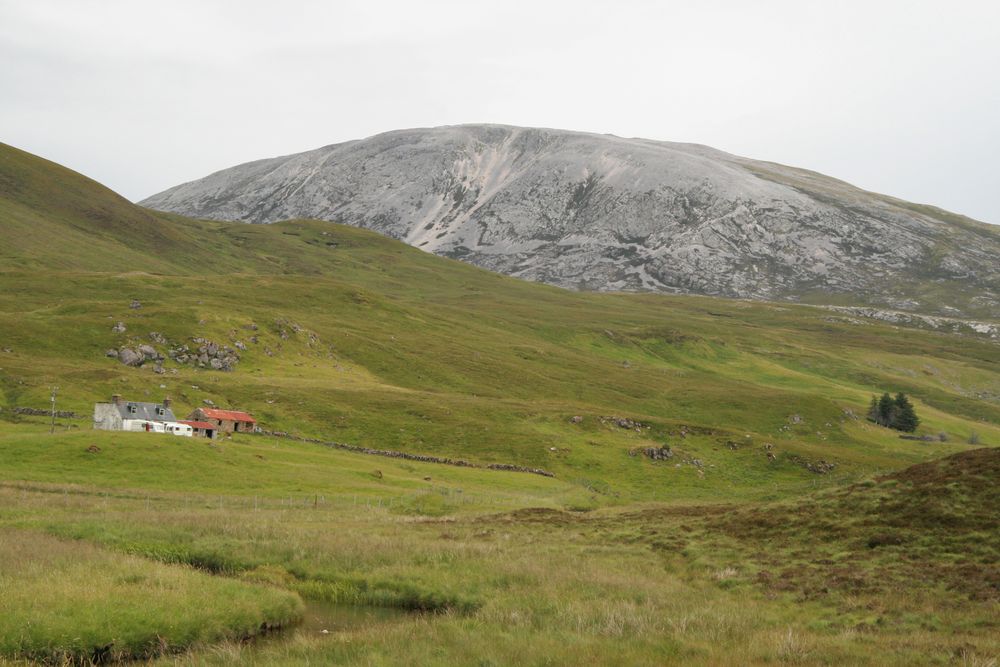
(547, 587)
(68, 601)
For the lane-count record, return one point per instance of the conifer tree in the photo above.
(886, 410)
(873, 410)
(904, 416)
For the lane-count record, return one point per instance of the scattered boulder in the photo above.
(795, 419)
(157, 337)
(118, 328)
(922, 438)
(135, 305)
(820, 467)
(93, 449)
(149, 352)
(659, 453)
(240, 345)
(576, 419)
(624, 422)
(129, 357)
(209, 402)
(111, 353)
(208, 354)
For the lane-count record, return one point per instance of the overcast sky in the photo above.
(898, 97)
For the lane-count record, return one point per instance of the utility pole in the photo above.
(52, 429)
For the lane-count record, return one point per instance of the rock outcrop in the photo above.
(202, 353)
(206, 354)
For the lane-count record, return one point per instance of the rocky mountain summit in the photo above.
(600, 212)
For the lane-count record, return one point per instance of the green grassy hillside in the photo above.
(364, 340)
(347, 336)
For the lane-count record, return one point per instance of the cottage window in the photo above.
(131, 409)
(159, 411)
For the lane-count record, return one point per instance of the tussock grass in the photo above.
(66, 601)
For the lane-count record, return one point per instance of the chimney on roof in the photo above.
(116, 399)
(166, 402)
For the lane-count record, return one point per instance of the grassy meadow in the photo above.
(783, 528)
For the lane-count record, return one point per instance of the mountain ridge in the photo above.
(605, 213)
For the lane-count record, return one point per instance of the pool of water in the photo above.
(322, 618)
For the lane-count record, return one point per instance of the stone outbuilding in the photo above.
(225, 421)
(201, 429)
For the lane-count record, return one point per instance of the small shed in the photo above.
(225, 421)
(201, 429)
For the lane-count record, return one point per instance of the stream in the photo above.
(320, 616)
(327, 619)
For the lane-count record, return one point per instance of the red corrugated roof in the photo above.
(231, 415)
(203, 425)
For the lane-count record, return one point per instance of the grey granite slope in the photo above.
(605, 213)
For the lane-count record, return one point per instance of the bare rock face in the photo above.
(600, 212)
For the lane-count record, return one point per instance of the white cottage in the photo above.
(121, 415)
